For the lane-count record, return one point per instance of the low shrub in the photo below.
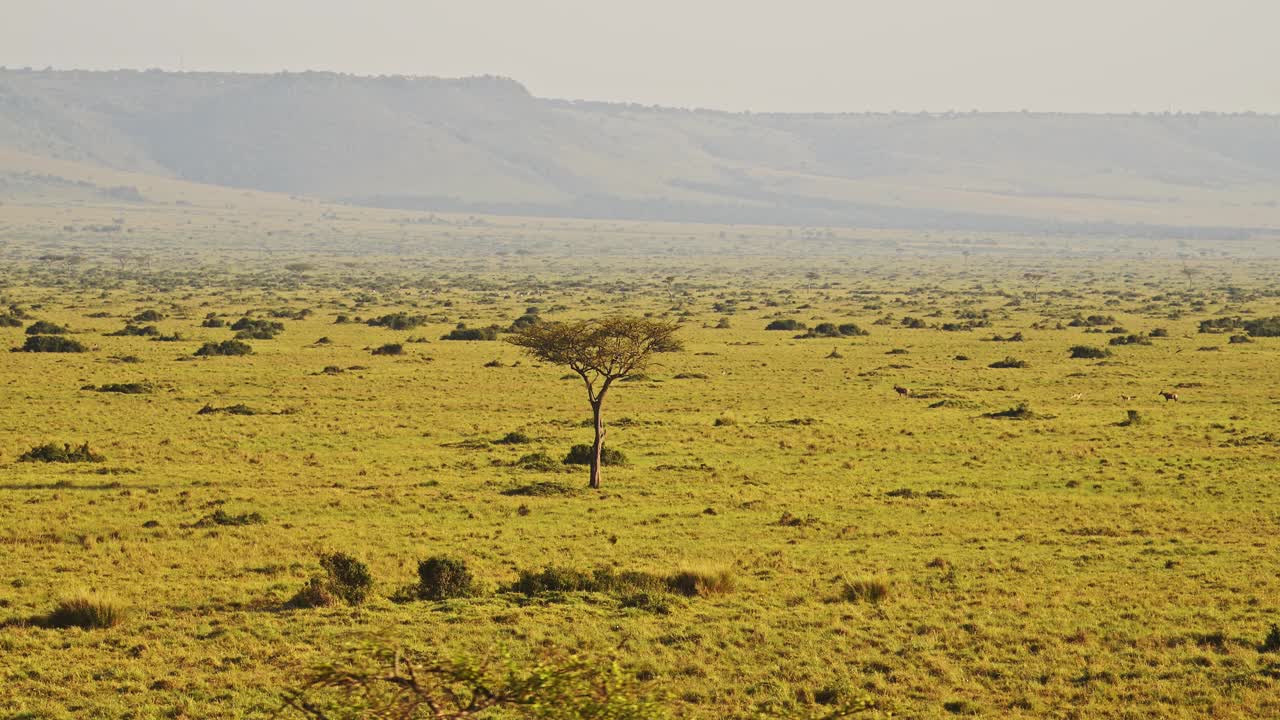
(227, 348)
(122, 388)
(1086, 352)
(51, 452)
(1239, 339)
(628, 584)
(44, 327)
(1263, 327)
(88, 612)
(787, 324)
(1092, 321)
(1009, 362)
(148, 316)
(1221, 324)
(539, 461)
(389, 349)
(1129, 340)
(345, 580)
(247, 328)
(462, 332)
(397, 321)
(51, 344)
(132, 330)
(441, 578)
(223, 518)
(831, 330)
(582, 455)
(513, 438)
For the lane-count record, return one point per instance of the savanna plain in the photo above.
(946, 483)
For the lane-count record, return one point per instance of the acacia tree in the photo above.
(600, 352)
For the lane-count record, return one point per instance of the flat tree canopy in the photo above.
(600, 351)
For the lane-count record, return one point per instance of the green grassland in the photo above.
(1062, 565)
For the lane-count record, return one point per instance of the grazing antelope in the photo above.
(1168, 396)
(1128, 398)
(1078, 396)
(902, 392)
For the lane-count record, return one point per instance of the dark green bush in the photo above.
(389, 349)
(1085, 352)
(44, 327)
(625, 583)
(463, 332)
(255, 329)
(1221, 324)
(226, 519)
(831, 330)
(539, 461)
(122, 388)
(51, 344)
(1092, 321)
(1129, 340)
(1009, 363)
(132, 330)
(787, 324)
(9, 321)
(581, 455)
(513, 438)
(345, 580)
(1263, 327)
(229, 348)
(441, 578)
(525, 321)
(148, 316)
(397, 321)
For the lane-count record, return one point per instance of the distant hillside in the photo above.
(487, 145)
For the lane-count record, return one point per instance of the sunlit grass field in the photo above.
(1062, 564)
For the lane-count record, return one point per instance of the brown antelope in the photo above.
(1127, 398)
(1078, 396)
(1168, 395)
(902, 392)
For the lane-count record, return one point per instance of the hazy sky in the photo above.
(830, 55)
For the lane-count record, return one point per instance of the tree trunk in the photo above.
(597, 446)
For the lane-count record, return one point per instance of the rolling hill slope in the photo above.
(487, 145)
